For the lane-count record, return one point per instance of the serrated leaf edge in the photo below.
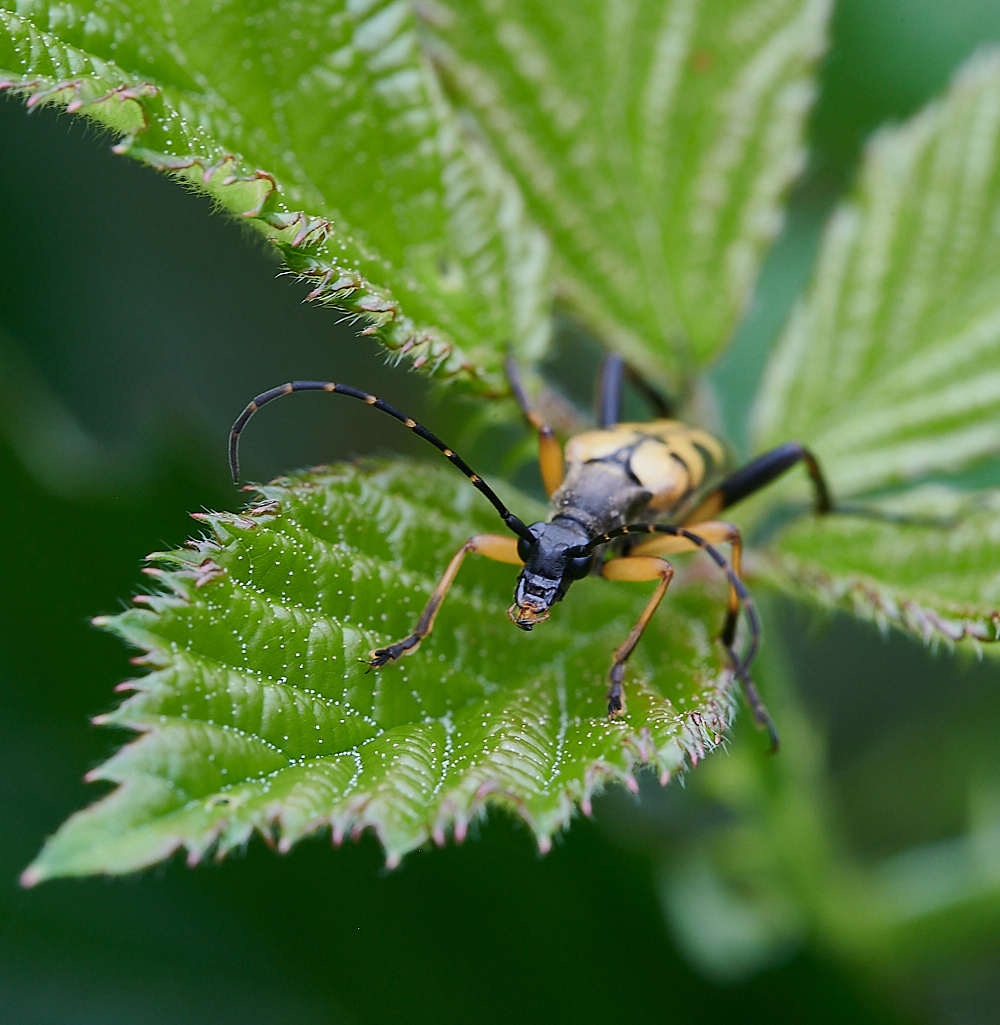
(872, 601)
(695, 734)
(300, 237)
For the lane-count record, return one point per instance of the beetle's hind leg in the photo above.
(633, 568)
(758, 474)
(493, 546)
(761, 471)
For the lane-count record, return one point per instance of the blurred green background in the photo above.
(133, 327)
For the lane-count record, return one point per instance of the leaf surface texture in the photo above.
(653, 140)
(322, 125)
(258, 715)
(888, 372)
(888, 368)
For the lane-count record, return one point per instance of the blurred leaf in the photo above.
(51, 443)
(731, 924)
(322, 125)
(772, 869)
(937, 575)
(742, 892)
(890, 369)
(258, 715)
(654, 141)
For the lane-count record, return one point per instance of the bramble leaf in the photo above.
(890, 368)
(937, 576)
(408, 159)
(653, 140)
(258, 716)
(321, 125)
(888, 371)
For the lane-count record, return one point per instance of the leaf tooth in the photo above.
(517, 737)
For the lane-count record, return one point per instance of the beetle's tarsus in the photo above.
(761, 716)
(728, 634)
(383, 656)
(393, 653)
(616, 692)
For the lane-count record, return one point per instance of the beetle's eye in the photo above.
(580, 567)
(523, 548)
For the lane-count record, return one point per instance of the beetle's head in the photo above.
(551, 563)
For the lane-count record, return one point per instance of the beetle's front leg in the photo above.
(633, 568)
(493, 546)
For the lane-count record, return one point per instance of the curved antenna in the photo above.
(739, 667)
(506, 515)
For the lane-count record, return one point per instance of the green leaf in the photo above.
(937, 576)
(653, 140)
(322, 125)
(776, 868)
(890, 369)
(257, 715)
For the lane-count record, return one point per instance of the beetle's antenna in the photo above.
(740, 667)
(506, 515)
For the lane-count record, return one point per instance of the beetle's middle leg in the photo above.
(550, 453)
(493, 546)
(633, 568)
(714, 532)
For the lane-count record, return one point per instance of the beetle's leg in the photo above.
(757, 474)
(609, 391)
(633, 568)
(550, 454)
(608, 397)
(761, 716)
(493, 546)
(714, 533)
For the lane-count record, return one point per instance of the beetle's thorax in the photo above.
(617, 476)
(613, 477)
(598, 496)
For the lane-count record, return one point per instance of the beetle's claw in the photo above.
(382, 656)
(616, 694)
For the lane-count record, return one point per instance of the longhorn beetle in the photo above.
(664, 470)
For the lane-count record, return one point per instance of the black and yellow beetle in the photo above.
(670, 473)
